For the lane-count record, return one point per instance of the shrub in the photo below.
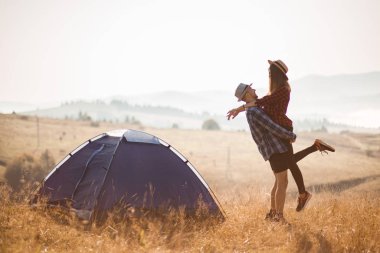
(25, 170)
(46, 162)
(94, 124)
(18, 170)
(132, 120)
(3, 163)
(210, 124)
(84, 116)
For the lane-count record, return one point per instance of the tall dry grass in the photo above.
(332, 223)
(344, 217)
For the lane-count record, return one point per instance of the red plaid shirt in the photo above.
(275, 105)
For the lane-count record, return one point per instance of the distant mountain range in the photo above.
(338, 100)
(350, 99)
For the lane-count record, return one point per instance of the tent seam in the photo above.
(105, 177)
(85, 169)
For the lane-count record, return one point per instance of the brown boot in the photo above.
(302, 202)
(270, 215)
(279, 217)
(323, 146)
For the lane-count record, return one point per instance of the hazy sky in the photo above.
(59, 50)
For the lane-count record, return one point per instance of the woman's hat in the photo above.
(280, 65)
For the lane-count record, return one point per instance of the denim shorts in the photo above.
(280, 162)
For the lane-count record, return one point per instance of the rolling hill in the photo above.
(340, 100)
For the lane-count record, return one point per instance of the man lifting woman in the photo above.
(272, 131)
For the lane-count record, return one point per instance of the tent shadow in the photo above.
(305, 243)
(339, 186)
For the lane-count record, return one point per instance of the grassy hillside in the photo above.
(343, 216)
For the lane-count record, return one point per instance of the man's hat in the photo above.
(241, 90)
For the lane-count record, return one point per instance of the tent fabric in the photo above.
(127, 168)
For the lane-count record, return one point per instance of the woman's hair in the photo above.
(277, 79)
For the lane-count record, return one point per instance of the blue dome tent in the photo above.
(126, 168)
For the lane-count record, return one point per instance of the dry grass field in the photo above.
(343, 215)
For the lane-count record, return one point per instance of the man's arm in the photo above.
(234, 112)
(265, 121)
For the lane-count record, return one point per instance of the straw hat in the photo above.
(280, 65)
(241, 90)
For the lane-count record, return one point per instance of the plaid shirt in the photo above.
(268, 135)
(276, 105)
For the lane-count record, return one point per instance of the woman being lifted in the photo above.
(275, 105)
